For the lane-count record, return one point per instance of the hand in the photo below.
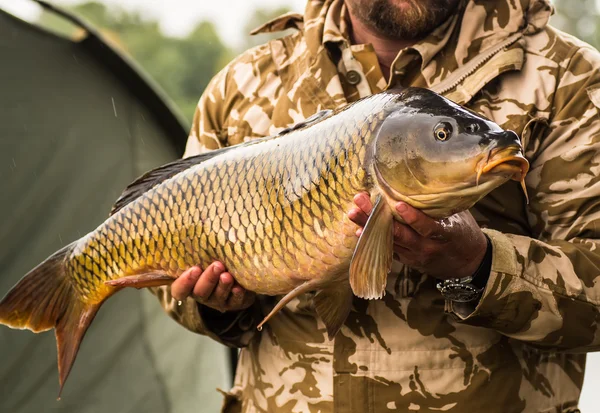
(450, 248)
(215, 288)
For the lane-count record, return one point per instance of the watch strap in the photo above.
(469, 288)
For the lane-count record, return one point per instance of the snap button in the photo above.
(353, 77)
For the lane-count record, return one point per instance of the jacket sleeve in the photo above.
(234, 329)
(208, 126)
(545, 290)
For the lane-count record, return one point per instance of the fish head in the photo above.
(441, 157)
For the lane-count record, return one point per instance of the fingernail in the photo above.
(218, 268)
(401, 207)
(225, 278)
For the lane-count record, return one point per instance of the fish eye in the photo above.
(472, 128)
(442, 131)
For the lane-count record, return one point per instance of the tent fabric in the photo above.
(77, 124)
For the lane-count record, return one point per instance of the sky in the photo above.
(178, 17)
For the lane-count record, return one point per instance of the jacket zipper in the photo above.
(459, 75)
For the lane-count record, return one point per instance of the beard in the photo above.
(402, 19)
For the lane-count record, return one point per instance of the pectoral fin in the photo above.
(333, 306)
(372, 259)
(142, 280)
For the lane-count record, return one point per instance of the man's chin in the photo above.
(403, 19)
(403, 5)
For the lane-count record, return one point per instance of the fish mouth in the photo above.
(508, 161)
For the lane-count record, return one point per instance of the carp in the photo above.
(274, 211)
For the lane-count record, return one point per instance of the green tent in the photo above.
(78, 122)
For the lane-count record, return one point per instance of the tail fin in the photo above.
(45, 299)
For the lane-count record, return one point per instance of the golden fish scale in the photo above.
(274, 214)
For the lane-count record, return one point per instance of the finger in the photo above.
(421, 223)
(237, 297)
(406, 256)
(363, 201)
(406, 237)
(208, 281)
(184, 284)
(248, 299)
(358, 216)
(221, 292)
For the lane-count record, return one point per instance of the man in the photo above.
(518, 345)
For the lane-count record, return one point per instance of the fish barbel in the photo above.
(274, 211)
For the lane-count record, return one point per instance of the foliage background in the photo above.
(182, 66)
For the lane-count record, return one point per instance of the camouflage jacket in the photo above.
(523, 347)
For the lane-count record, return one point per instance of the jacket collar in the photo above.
(481, 26)
(336, 32)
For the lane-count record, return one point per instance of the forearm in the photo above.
(232, 328)
(537, 292)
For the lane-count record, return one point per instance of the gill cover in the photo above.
(429, 153)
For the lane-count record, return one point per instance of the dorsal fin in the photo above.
(155, 176)
(311, 120)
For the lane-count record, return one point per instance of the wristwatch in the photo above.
(464, 290)
(460, 290)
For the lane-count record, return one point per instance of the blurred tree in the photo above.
(202, 52)
(259, 17)
(579, 18)
(181, 66)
